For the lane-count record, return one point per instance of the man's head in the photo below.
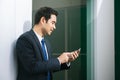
(46, 18)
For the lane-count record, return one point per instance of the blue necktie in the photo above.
(45, 55)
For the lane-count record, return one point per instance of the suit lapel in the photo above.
(39, 46)
(37, 43)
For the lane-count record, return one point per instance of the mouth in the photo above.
(51, 30)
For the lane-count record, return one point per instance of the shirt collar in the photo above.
(39, 37)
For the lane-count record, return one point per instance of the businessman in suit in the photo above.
(33, 50)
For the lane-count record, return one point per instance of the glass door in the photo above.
(70, 34)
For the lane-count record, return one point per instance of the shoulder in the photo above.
(27, 34)
(26, 37)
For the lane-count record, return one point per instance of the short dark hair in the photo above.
(44, 12)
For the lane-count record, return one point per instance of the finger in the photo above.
(72, 56)
(75, 54)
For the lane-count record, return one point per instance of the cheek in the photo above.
(48, 28)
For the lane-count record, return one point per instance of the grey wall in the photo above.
(13, 15)
(104, 40)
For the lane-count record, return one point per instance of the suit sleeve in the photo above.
(26, 56)
(65, 66)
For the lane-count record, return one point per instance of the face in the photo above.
(49, 26)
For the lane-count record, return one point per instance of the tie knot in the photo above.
(42, 41)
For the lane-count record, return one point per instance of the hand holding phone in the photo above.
(74, 55)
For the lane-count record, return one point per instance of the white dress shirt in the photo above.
(40, 39)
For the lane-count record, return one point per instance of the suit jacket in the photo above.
(31, 64)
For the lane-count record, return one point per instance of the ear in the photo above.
(42, 20)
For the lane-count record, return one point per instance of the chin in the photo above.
(49, 33)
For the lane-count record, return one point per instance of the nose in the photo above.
(54, 27)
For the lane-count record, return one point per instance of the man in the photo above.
(33, 51)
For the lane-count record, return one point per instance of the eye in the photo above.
(53, 22)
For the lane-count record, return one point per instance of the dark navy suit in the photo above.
(31, 64)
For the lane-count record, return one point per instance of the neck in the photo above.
(38, 30)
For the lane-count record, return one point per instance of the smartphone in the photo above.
(78, 51)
